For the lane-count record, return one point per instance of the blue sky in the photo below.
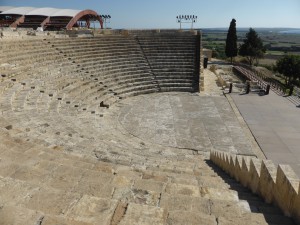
(162, 13)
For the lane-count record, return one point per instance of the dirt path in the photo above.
(210, 84)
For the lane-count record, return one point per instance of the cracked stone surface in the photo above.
(114, 176)
(185, 121)
(144, 161)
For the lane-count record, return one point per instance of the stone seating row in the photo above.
(74, 97)
(111, 63)
(88, 176)
(32, 64)
(30, 52)
(158, 51)
(175, 66)
(15, 66)
(30, 169)
(97, 44)
(97, 49)
(21, 44)
(115, 72)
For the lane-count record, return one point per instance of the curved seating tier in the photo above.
(172, 58)
(54, 80)
(61, 162)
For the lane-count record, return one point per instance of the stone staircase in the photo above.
(43, 186)
(172, 59)
(278, 185)
(48, 83)
(64, 159)
(119, 66)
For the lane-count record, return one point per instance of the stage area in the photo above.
(185, 121)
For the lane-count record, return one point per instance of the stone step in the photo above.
(179, 167)
(141, 214)
(56, 203)
(60, 164)
(145, 191)
(186, 191)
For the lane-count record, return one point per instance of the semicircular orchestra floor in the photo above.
(185, 121)
(142, 125)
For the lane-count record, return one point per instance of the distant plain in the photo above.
(277, 41)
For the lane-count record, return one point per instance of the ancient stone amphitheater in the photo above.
(109, 128)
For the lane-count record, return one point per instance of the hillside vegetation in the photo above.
(277, 42)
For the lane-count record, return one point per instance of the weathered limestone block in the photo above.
(226, 162)
(52, 220)
(238, 168)
(219, 194)
(179, 217)
(276, 185)
(125, 32)
(213, 156)
(219, 159)
(231, 168)
(245, 219)
(137, 214)
(296, 207)
(185, 203)
(18, 215)
(286, 188)
(93, 210)
(267, 180)
(149, 185)
(181, 189)
(255, 165)
(225, 208)
(245, 173)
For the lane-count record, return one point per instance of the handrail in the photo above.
(252, 76)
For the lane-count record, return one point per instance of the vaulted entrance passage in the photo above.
(185, 121)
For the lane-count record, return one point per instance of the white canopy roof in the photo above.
(18, 10)
(66, 12)
(4, 8)
(31, 11)
(42, 12)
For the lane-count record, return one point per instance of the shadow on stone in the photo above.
(272, 214)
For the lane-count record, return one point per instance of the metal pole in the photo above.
(268, 89)
(247, 88)
(291, 90)
(230, 87)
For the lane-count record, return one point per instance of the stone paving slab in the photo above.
(211, 87)
(275, 124)
(185, 121)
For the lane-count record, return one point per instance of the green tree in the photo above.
(252, 48)
(231, 49)
(289, 66)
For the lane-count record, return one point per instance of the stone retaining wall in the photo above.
(21, 33)
(278, 185)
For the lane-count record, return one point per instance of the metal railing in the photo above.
(250, 75)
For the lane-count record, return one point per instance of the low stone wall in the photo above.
(279, 186)
(24, 33)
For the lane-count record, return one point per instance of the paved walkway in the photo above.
(211, 88)
(185, 121)
(275, 123)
